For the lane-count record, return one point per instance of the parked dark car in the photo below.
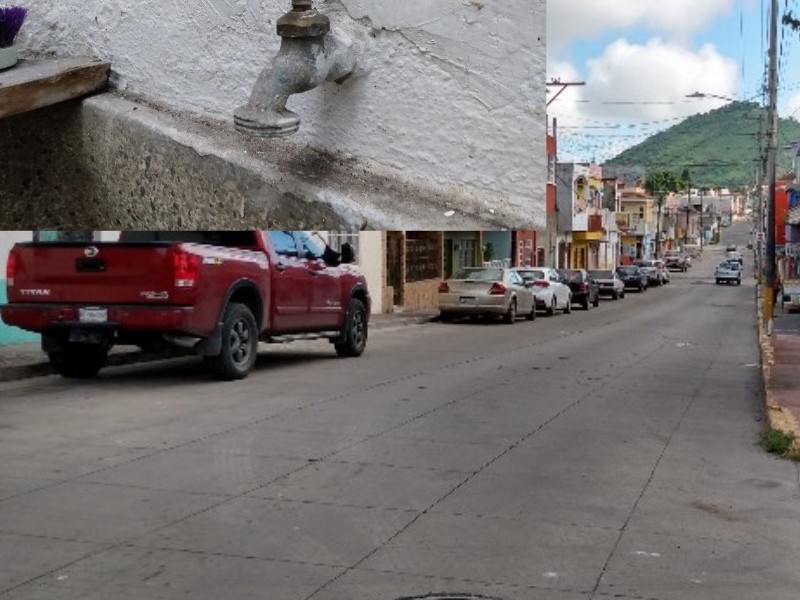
(633, 278)
(585, 290)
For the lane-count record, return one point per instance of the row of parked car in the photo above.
(517, 292)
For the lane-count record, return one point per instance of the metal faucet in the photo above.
(310, 54)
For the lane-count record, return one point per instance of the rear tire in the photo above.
(596, 302)
(79, 361)
(551, 310)
(239, 344)
(585, 303)
(511, 315)
(531, 316)
(355, 330)
(446, 317)
(568, 308)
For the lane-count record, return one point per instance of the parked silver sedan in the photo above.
(486, 291)
(609, 283)
(548, 290)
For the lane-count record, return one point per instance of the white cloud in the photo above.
(644, 86)
(791, 107)
(572, 20)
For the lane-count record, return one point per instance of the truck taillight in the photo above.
(186, 268)
(444, 288)
(497, 289)
(11, 268)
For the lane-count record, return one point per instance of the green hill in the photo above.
(720, 147)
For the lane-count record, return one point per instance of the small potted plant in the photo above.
(11, 19)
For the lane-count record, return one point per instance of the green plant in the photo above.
(776, 441)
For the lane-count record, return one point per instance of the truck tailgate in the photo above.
(97, 273)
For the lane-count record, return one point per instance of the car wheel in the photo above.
(615, 296)
(239, 344)
(511, 315)
(596, 302)
(622, 294)
(551, 310)
(531, 316)
(79, 361)
(568, 307)
(718, 281)
(585, 303)
(355, 331)
(446, 317)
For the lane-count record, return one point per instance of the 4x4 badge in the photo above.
(91, 252)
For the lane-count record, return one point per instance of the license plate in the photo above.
(468, 300)
(93, 315)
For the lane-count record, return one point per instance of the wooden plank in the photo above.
(33, 84)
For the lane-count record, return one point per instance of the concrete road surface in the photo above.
(611, 453)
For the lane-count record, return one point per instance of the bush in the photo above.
(777, 441)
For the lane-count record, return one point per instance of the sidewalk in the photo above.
(21, 361)
(781, 367)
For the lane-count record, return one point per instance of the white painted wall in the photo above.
(372, 262)
(450, 91)
(8, 239)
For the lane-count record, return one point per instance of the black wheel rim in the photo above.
(358, 329)
(240, 343)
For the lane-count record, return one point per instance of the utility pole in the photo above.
(772, 167)
(563, 85)
(702, 228)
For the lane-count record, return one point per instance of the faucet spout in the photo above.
(303, 63)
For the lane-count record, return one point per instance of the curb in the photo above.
(119, 359)
(778, 417)
(43, 368)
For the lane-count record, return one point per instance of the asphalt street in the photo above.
(610, 453)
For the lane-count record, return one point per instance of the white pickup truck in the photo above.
(728, 272)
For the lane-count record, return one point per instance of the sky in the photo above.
(639, 60)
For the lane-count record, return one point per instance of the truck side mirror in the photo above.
(348, 254)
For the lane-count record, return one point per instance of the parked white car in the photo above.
(550, 293)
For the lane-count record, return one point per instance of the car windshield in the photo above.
(480, 274)
(571, 275)
(628, 270)
(602, 274)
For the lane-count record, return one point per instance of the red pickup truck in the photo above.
(215, 293)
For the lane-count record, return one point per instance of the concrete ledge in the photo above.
(109, 163)
(33, 84)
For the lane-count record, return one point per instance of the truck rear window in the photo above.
(229, 239)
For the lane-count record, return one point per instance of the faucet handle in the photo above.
(303, 21)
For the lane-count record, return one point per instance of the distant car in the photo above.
(633, 278)
(651, 269)
(675, 261)
(734, 255)
(609, 284)
(585, 290)
(729, 271)
(550, 294)
(486, 292)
